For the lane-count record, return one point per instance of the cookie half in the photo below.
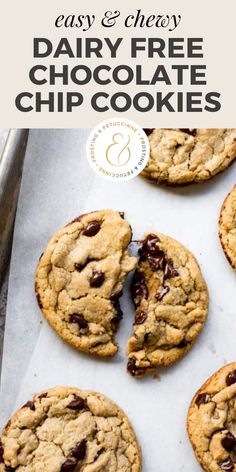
(183, 156)
(227, 227)
(171, 302)
(211, 422)
(66, 430)
(79, 280)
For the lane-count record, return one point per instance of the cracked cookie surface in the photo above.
(227, 227)
(79, 280)
(183, 156)
(64, 430)
(212, 422)
(171, 302)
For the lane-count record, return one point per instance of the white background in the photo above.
(58, 185)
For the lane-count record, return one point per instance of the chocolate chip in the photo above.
(150, 246)
(162, 293)
(43, 395)
(39, 300)
(122, 215)
(202, 398)
(169, 270)
(79, 319)
(9, 469)
(30, 405)
(119, 312)
(92, 228)
(139, 288)
(77, 404)
(182, 343)
(131, 366)
(1, 453)
(133, 369)
(148, 131)
(151, 252)
(116, 295)
(231, 378)
(158, 262)
(116, 305)
(227, 465)
(101, 451)
(97, 278)
(79, 450)
(140, 291)
(140, 318)
(69, 465)
(79, 267)
(191, 132)
(229, 441)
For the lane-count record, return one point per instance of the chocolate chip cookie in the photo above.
(66, 430)
(79, 280)
(183, 156)
(171, 302)
(211, 422)
(227, 227)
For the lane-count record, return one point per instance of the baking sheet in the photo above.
(58, 185)
(3, 137)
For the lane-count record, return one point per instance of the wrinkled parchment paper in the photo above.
(58, 185)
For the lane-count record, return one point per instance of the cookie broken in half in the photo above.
(79, 280)
(171, 300)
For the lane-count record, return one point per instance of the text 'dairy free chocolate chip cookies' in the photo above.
(211, 422)
(171, 300)
(68, 430)
(184, 156)
(79, 280)
(227, 227)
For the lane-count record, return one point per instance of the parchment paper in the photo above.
(58, 185)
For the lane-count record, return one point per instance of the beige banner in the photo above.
(155, 47)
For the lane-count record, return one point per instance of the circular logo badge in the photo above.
(118, 149)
